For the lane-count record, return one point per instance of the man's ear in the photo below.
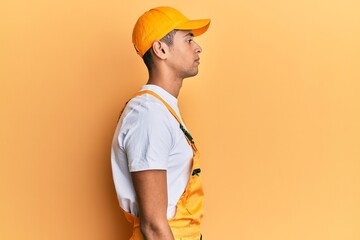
(160, 49)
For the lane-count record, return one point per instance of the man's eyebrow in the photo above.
(189, 34)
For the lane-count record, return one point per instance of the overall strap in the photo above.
(171, 110)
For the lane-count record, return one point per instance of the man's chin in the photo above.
(193, 74)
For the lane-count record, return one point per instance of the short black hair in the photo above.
(168, 39)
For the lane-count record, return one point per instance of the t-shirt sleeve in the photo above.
(147, 141)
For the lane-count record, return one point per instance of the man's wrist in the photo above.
(156, 231)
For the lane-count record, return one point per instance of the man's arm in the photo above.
(151, 191)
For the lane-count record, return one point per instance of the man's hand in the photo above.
(151, 192)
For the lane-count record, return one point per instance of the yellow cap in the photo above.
(157, 22)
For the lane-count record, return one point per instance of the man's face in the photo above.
(183, 56)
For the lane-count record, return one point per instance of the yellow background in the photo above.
(275, 112)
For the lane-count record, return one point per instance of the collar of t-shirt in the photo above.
(170, 99)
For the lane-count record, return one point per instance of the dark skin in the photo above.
(171, 65)
(151, 190)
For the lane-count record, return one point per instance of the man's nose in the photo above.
(198, 49)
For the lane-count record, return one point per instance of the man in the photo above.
(154, 159)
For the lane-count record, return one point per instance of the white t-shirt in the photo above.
(149, 137)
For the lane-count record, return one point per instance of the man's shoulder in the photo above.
(146, 106)
(146, 111)
(146, 124)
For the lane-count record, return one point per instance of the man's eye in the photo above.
(190, 41)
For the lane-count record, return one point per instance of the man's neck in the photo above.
(171, 85)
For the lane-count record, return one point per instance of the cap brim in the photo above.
(198, 27)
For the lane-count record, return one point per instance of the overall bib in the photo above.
(189, 209)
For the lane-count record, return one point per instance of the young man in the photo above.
(154, 159)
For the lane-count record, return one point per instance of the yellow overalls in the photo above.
(189, 209)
